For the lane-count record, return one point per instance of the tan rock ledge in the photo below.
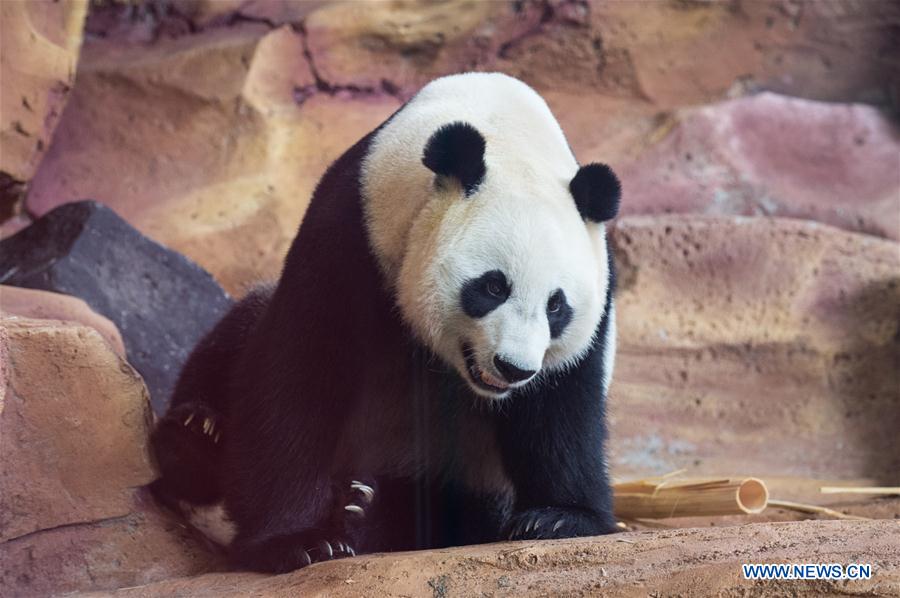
(682, 562)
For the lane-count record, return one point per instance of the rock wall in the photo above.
(219, 120)
(757, 250)
(740, 333)
(40, 42)
(74, 420)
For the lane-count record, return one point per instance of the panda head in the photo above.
(503, 272)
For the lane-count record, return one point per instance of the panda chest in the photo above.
(407, 429)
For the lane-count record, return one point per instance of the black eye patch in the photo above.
(559, 313)
(480, 296)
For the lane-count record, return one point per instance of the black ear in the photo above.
(457, 150)
(597, 191)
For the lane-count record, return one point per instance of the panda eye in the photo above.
(559, 313)
(494, 288)
(554, 304)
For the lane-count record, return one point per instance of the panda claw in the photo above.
(529, 525)
(325, 547)
(559, 524)
(307, 560)
(356, 510)
(189, 419)
(350, 550)
(367, 491)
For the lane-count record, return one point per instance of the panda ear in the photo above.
(597, 191)
(457, 150)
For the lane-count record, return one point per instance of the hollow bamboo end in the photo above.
(752, 496)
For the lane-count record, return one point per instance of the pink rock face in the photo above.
(74, 419)
(41, 41)
(773, 155)
(131, 550)
(210, 144)
(44, 305)
(759, 345)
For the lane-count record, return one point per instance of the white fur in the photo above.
(609, 348)
(521, 220)
(212, 521)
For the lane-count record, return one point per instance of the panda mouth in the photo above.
(480, 378)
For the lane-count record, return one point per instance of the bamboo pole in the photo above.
(660, 498)
(860, 490)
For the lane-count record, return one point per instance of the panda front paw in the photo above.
(358, 499)
(287, 553)
(198, 419)
(352, 500)
(550, 523)
(326, 550)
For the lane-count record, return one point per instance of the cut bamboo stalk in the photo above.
(661, 498)
(860, 490)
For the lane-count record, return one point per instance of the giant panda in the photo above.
(431, 368)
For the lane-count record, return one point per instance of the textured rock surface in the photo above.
(74, 419)
(73, 428)
(134, 549)
(769, 332)
(161, 302)
(40, 43)
(220, 139)
(777, 156)
(220, 135)
(751, 346)
(678, 53)
(689, 562)
(43, 305)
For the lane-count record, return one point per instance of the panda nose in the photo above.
(511, 372)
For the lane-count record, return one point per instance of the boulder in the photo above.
(161, 302)
(775, 156)
(43, 305)
(738, 335)
(223, 136)
(72, 443)
(40, 45)
(137, 548)
(684, 562)
(74, 420)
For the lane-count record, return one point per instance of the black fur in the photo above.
(562, 488)
(597, 192)
(480, 296)
(560, 318)
(187, 457)
(457, 150)
(317, 384)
